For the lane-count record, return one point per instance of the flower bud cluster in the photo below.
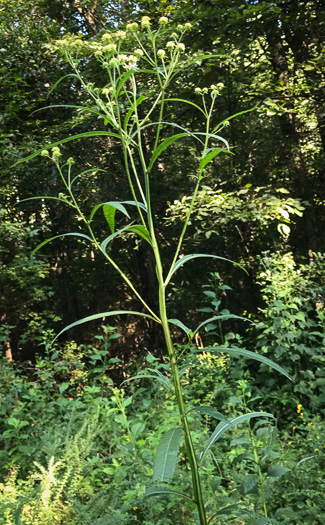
(56, 153)
(215, 89)
(145, 22)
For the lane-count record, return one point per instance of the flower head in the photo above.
(114, 62)
(170, 44)
(109, 48)
(120, 34)
(139, 52)
(145, 21)
(56, 152)
(45, 153)
(161, 53)
(163, 20)
(181, 47)
(132, 27)
(106, 37)
(188, 25)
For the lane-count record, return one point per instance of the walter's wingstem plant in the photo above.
(125, 56)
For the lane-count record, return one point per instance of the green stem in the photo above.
(260, 473)
(196, 482)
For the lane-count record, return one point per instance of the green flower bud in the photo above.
(114, 62)
(56, 152)
(45, 153)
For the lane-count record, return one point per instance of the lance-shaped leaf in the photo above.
(100, 316)
(156, 374)
(223, 317)
(247, 353)
(60, 80)
(166, 455)
(165, 143)
(211, 156)
(81, 108)
(136, 228)
(233, 116)
(159, 491)
(192, 256)
(208, 411)
(68, 139)
(224, 426)
(181, 325)
(43, 197)
(186, 102)
(56, 237)
(131, 110)
(117, 205)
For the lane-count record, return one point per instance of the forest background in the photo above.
(262, 207)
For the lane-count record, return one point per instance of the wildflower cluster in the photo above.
(214, 88)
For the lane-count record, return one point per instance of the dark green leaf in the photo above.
(224, 426)
(163, 146)
(160, 492)
(247, 353)
(211, 156)
(100, 316)
(276, 471)
(166, 455)
(181, 325)
(56, 237)
(249, 485)
(137, 228)
(187, 258)
(68, 139)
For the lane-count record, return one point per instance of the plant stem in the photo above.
(196, 482)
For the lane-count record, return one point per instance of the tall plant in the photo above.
(160, 56)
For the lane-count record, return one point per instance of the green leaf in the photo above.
(211, 156)
(166, 455)
(209, 411)
(109, 214)
(303, 460)
(136, 228)
(160, 492)
(100, 316)
(56, 237)
(63, 387)
(163, 146)
(276, 471)
(84, 108)
(247, 353)
(249, 485)
(187, 102)
(117, 205)
(213, 136)
(44, 197)
(124, 79)
(233, 116)
(60, 80)
(68, 139)
(181, 325)
(131, 110)
(187, 258)
(221, 318)
(224, 426)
